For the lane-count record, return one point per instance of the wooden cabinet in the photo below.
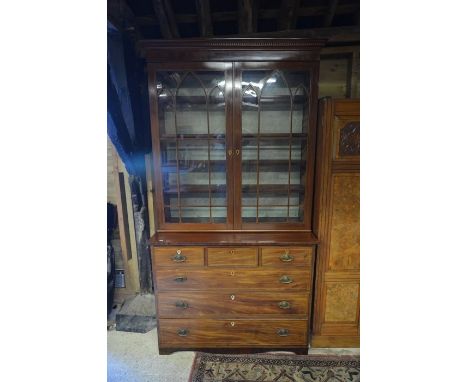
(336, 312)
(234, 141)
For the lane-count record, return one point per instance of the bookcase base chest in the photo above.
(233, 299)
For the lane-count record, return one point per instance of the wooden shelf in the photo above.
(271, 188)
(220, 165)
(234, 238)
(195, 189)
(275, 136)
(246, 188)
(211, 137)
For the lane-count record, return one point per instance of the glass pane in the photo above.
(275, 115)
(218, 214)
(192, 125)
(195, 215)
(273, 214)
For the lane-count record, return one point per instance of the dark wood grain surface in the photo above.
(231, 333)
(231, 304)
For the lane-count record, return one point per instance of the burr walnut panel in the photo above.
(229, 333)
(336, 303)
(231, 304)
(342, 301)
(344, 239)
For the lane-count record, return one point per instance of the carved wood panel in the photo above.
(349, 140)
(346, 139)
(344, 236)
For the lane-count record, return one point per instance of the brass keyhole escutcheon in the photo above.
(237, 151)
(178, 251)
(232, 273)
(233, 323)
(229, 152)
(233, 297)
(183, 332)
(232, 252)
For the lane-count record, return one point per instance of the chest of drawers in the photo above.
(234, 299)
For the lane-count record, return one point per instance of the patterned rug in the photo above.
(274, 368)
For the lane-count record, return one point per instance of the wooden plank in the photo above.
(333, 34)
(355, 74)
(328, 18)
(204, 17)
(262, 14)
(150, 193)
(288, 14)
(335, 342)
(167, 21)
(122, 17)
(123, 225)
(248, 14)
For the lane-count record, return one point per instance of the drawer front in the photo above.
(231, 333)
(235, 304)
(286, 256)
(178, 256)
(232, 278)
(232, 257)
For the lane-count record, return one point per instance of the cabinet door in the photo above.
(274, 136)
(191, 119)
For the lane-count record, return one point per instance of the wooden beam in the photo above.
(334, 34)
(167, 21)
(204, 17)
(288, 15)
(328, 18)
(122, 18)
(262, 14)
(355, 74)
(247, 15)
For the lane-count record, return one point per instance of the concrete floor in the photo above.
(133, 357)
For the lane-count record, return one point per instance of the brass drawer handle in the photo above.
(181, 304)
(180, 279)
(282, 332)
(183, 332)
(285, 280)
(179, 258)
(286, 258)
(284, 305)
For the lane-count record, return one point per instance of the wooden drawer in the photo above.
(232, 257)
(235, 304)
(178, 256)
(287, 256)
(232, 278)
(231, 333)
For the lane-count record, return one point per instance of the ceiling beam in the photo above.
(288, 14)
(122, 18)
(167, 21)
(332, 34)
(247, 15)
(328, 18)
(262, 14)
(204, 17)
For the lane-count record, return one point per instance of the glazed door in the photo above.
(274, 138)
(192, 133)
